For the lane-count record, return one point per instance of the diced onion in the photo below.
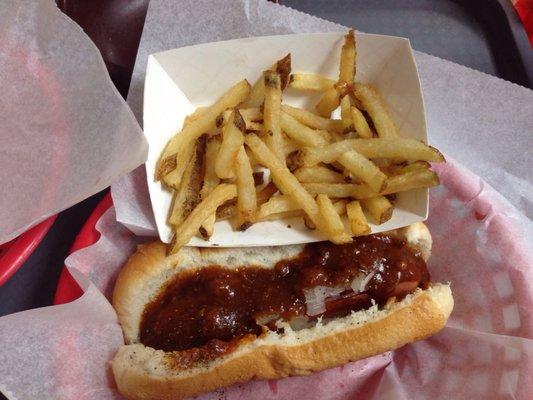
(315, 298)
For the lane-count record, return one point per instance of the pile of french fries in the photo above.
(319, 168)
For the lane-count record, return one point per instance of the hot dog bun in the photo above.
(144, 373)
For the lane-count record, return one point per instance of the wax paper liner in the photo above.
(485, 352)
(66, 133)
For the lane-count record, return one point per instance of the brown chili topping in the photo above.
(202, 314)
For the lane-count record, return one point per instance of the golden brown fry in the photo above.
(360, 124)
(246, 196)
(289, 146)
(283, 68)
(253, 114)
(375, 107)
(203, 124)
(329, 101)
(411, 180)
(340, 190)
(272, 114)
(363, 169)
(379, 208)
(302, 134)
(404, 169)
(207, 207)
(357, 220)
(266, 193)
(188, 194)
(282, 177)
(173, 178)
(331, 221)
(294, 161)
(208, 226)
(194, 116)
(309, 81)
(283, 215)
(277, 204)
(252, 117)
(397, 148)
(232, 140)
(312, 120)
(346, 114)
(318, 174)
(211, 180)
(348, 56)
(229, 209)
(254, 127)
(283, 206)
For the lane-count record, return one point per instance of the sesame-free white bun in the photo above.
(145, 373)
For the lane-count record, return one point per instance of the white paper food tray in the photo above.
(179, 80)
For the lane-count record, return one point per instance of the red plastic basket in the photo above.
(67, 288)
(14, 253)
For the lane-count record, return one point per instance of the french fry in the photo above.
(191, 132)
(333, 226)
(282, 177)
(207, 207)
(246, 195)
(360, 124)
(312, 120)
(308, 81)
(348, 56)
(300, 133)
(356, 218)
(251, 117)
(331, 98)
(283, 206)
(211, 180)
(289, 147)
(346, 114)
(396, 148)
(340, 208)
(364, 170)
(340, 190)
(208, 226)
(379, 208)
(329, 101)
(375, 107)
(194, 116)
(283, 68)
(173, 178)
(412, 167)
(229, 209)
(232, 140)
(294, 161)
(266, 193)
(277, 204)
(318, 174)
(253, 114)
(188, 194)
(254, 127)
(411, 180)
(283, 215)
(272, 114)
